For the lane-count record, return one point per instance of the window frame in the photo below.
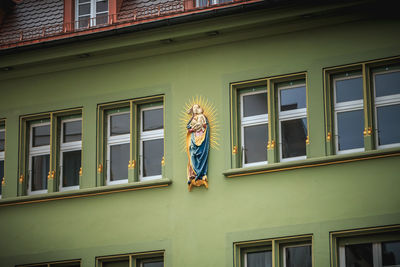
(68, 147)
(347, 106)
(276, 245)
(122, 139)
(383, 101)
(92, 14)
(251, 121)
(35, 152)
(134, 107)
(287, 116)
(274, 153)
(372, 235)
(54, 118)
(149, 136)
(369, 69)
(135, 258)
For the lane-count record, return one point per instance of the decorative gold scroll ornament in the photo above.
(199, 132)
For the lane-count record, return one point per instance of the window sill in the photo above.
(87, 192)
(313, 162)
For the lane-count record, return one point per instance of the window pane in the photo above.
(388, 124)
(255, 143)
(391, 253)
(101, 19)
(84, 9)
(349, 90)
(153, 119)
(72, 131)
(119, 124)
(119, 162)
(2, 140)
(84, 1)
(294, 135)
(387, 83)
(359, 255)
(259, 259)
(101, 6)
(350, 129)
(71, 166)
(84, 22)
(41, 135)
(120, 263)
(200, 3)
(293, 98)
(298, 256)
(40, 170)
(256, 104)
(153, 152)
(154, 264)
(1, 173)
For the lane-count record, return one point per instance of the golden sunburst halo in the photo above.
(209, 111)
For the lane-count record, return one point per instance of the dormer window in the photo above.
(91, 13)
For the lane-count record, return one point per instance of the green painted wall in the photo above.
(196, 228)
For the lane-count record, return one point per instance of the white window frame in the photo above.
(148, 136)
(112, 141)
(293, 246)
(376, 255)
(342, 107)
(68, 147)
(93, 13)
(261, 250)
(289, 115)
(36, 151)
(2, 154)
(251, 121)
(382, 101)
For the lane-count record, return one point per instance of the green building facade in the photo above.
(323, 202)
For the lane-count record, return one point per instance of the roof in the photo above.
(36, 21)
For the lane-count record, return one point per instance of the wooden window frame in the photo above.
(134, 163)
(54, 119)
(273, 150)
(92, 14)
(275, 245)
(371, 235)
(368, 71)
(135, 259)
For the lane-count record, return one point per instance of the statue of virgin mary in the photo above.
(197, 146)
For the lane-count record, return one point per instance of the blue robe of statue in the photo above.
(198, 146)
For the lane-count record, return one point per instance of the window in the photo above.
(349, 112)
(133, 146)
(39, 157)
(379, 247)
(147, 259)
(2, 156)
(280, 252)
(151, 142)
(267, 112)
(204, 3)
(72, 263)
(363, 106)
(70, 153)
(50, 152)
(91, 13)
